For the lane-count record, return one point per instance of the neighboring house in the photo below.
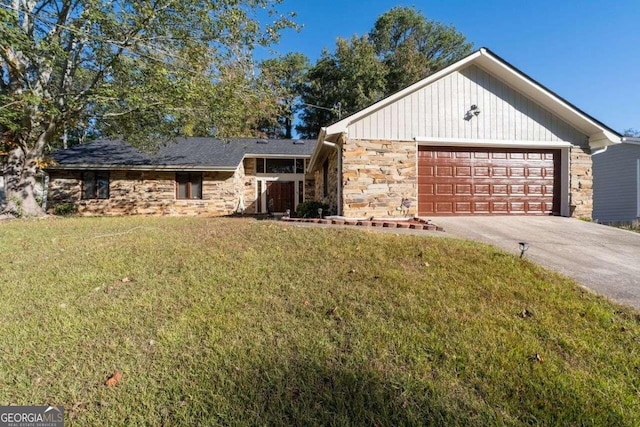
(192, 176)
(616, 187)
(478, 137)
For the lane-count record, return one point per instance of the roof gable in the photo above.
(598, 134)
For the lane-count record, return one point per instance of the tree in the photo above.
(340, 84)
(633, 133)
(145, 68)
(285, 76)
(402, 48)
(412, 46)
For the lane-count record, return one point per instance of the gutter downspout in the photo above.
(600, 151)
(339, 189)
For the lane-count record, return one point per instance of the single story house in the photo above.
(191, 176)
(616, 186)
(478, 137)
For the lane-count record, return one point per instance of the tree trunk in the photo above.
(20, 180)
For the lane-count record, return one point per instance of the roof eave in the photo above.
(161, 168)
(317, 150)
(599, 134)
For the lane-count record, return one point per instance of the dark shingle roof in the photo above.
(186, 152)
(102, 152)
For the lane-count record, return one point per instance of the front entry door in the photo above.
(280, 196)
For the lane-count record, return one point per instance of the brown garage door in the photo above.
(499, 181)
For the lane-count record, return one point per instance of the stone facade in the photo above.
(154, 193)
(331, 196)
(148, 193)
(581, 182)
(377, 176)
(249, 186)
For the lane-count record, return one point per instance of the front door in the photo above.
(280, 196)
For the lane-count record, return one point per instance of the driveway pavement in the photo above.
(604, 259)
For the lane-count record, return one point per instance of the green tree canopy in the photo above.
(402, 48)
(147, 69)
(284, 76)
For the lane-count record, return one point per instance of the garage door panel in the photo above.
(482, 189)
(463, 189)
(481, 171)
(426, 171)
(517, 207)
(444, 190)
(487, 181)
(481, 207)
(499, 171)
(463, 171)
(446, 171)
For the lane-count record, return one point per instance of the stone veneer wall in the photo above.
(376, 176)
(332, 189)
(249, 185)
(581, 182)
(149, 193)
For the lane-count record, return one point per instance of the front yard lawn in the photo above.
(233, 321)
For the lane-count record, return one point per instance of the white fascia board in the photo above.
(317, 149)
(543, 96)
(631, 140)
(341, 126)
(479, 143)
(603, 139)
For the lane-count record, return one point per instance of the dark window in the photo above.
(95, 185)
(325, 178)
(189, 185)
(281, 166)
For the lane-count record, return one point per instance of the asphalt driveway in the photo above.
(604, 259)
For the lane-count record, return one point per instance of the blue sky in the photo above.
(588, 52)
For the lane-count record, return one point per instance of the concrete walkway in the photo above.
(604, 259)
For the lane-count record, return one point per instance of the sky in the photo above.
(588, 52)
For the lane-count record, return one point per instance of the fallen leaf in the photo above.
(426, 264)
(306, 303)
(125, 280)
(114, 379)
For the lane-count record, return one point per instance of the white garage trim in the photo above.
(479, 143)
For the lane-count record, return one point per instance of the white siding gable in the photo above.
(439, 110)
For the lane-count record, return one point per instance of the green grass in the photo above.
(242, 322)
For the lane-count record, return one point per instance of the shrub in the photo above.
(310, 209)
(65, 209)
